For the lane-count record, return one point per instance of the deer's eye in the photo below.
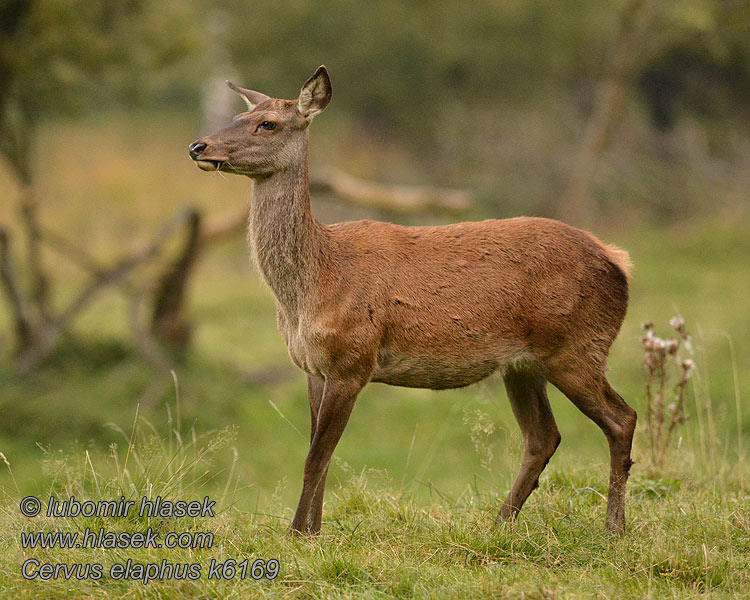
(269, 125)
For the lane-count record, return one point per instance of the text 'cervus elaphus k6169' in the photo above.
(427, 307)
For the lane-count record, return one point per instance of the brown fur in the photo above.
(429, 307)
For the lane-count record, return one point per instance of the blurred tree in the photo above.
(610, 96)
(431, 76)
(696, 58)
(58, 56)
(682, 52)
(411, 65)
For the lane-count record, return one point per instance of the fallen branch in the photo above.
(394, 198)
(45, 339)
(7, 276)
(37, 338)
(39, 297)
(72, 252)
(145, 344)
(168, 322)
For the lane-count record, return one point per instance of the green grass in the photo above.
(686, 537)
(413, 490)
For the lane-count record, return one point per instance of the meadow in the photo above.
(418, 476)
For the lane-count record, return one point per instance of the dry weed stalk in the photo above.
(663, 363)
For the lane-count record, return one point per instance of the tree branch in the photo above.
(7, 276)
(39, 281)
(144, 341)
(52, 331)
(168, 322)
(394, 198)
(71, 251)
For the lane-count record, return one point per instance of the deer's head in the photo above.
(269, 137)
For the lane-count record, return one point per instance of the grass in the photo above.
(379, 541)
(418, 475)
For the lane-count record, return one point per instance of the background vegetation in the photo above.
(98, 101)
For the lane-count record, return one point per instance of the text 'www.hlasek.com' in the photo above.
(101, 538)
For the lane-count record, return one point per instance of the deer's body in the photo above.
(444, 307)
(428, 307)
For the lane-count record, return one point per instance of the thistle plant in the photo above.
(667, 376)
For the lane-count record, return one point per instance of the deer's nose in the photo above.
(195, 149)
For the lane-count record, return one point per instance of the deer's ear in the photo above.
(315, 94)
(251, 98)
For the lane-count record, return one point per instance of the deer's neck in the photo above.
(286, 239)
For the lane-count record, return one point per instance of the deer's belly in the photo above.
(431, 372)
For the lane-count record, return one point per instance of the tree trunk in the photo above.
(576, 204)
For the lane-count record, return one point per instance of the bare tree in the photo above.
(609, 98)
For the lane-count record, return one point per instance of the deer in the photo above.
(437, 307)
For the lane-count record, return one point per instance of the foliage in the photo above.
(58, 56)
(63, 55)
(412, 59)
(696, 59)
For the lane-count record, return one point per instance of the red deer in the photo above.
(426, 307)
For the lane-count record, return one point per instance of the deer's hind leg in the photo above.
(528, 398)
(590, 391)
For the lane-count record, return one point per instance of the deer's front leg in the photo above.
(335, 407)
(315, 396)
